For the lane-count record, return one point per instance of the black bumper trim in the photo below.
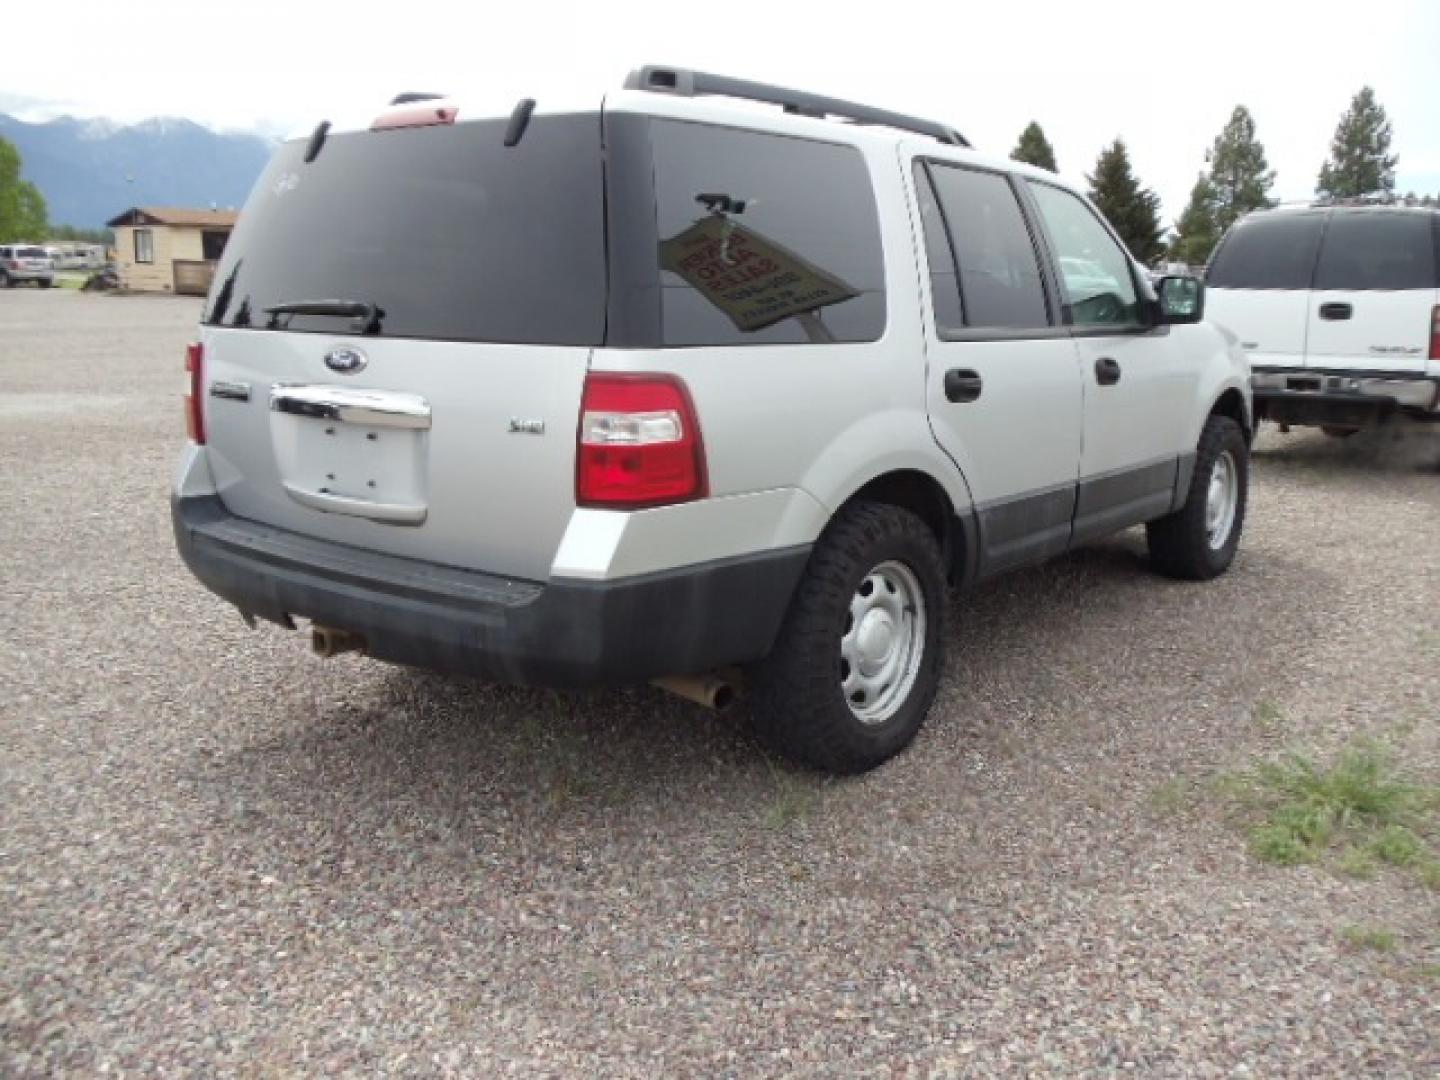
(567, 632)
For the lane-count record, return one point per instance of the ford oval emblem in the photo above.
(346, 360)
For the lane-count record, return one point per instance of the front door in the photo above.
(1139, 387)
(1003, 390)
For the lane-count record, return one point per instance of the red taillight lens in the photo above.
(194, 393)
(1435, 333)
(639, 442)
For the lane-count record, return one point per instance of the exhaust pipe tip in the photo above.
(712, 690)
(326, 641)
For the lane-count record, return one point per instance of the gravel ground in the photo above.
(219, 854)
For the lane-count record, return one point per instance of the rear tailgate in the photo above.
(1376, 287)
(445, 430)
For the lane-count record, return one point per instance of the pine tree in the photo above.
(1133, 211)
(1035, 149)
(1360, 160)
(1240, 176)
(1197, 231)
(22, 208)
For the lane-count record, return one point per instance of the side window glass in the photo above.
(944, 285)
(764, 239)
(1094, 269)
(1000, 285)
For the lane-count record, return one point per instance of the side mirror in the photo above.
(1182, 299)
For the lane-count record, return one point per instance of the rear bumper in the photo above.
(1343, 398)
(563, 633)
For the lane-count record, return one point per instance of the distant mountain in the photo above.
(91, 170)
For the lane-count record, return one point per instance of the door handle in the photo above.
(1336, 312)
(1107, 371)
(962, 385)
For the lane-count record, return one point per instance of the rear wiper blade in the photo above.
(367, 316)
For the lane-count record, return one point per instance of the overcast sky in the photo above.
(1162, 75)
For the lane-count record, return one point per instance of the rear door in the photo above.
(1003, 387)
(1258, 284)
(1375, 291)
(442, 428)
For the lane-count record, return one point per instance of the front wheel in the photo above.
(857, 663)
(1198, 541)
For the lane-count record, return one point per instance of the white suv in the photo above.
(686, 391)
(1339, 308)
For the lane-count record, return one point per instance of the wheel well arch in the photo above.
(1231, 403)
(927, 499)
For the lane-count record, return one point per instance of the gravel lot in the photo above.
(219, 854)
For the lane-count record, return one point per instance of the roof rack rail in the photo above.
(687, 83)
(412, 96)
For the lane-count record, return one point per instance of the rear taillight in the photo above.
(639, 442)
(194, 392)
(1435, 332)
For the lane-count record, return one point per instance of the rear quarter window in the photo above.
(764, 239)
(1275, 251)
(1378, 250)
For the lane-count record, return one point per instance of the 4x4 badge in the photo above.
(346, 360)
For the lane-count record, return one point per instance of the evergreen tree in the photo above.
(1197, 231)
(1133, 211)
(1240, 177)
(1360, 160)
(22, 208)
(1034, 148)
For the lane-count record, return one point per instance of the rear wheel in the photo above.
(1338, 432)
(856, 666)
(45, 283)
(1198, 541)
(5, 281)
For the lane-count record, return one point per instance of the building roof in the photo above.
(173, 215)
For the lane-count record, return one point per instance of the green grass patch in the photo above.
(1357, 809)
(1268, 715)
(1369, 938)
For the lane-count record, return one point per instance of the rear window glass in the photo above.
(453, 235)
(764, 239)
(31, 253)
(1274, 251)
(1376, 250)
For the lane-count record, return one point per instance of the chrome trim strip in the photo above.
(374, 408)
(230, 391)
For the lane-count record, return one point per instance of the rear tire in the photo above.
(1198, 541)
(5, 281)
(1338, 432)
(45, 283)
(857, 663)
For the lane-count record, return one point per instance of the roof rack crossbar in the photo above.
(687, 83)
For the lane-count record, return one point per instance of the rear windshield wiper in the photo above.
(367, 316)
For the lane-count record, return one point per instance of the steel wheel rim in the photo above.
(883, 642)
(1222, 498)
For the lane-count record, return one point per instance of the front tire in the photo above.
(857, 663)
(1198, 541)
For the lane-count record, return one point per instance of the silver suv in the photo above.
(686, 391)
(22, 263)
